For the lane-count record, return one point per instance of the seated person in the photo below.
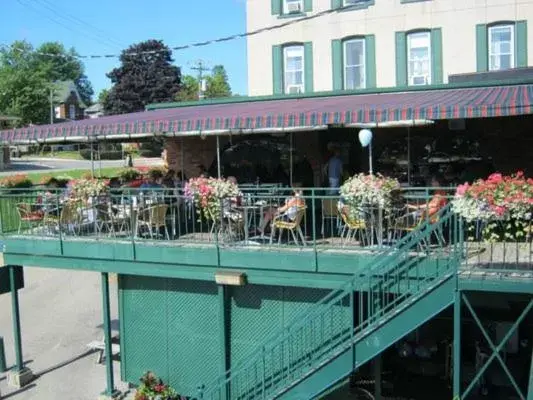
(287, 212)
(430, 209)
(153, 186)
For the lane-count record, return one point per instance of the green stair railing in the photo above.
(399, 276)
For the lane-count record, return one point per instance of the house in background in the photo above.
(68, 104)
(94, 111)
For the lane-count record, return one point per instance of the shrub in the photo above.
(128, 174)
(19, 181)
(104, 155)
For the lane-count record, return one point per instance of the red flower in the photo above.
(160, 388)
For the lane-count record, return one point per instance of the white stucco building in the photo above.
(382, 43)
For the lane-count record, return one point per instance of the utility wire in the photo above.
(30, 6)
(94, 30)
(219, 40)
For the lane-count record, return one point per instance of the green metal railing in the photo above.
(406, 271)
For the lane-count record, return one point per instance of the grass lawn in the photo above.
(67, 155)
(74, 173)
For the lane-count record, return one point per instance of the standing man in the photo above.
(334, 169)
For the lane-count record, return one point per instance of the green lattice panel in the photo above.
(256, 314)
(194, 346)
(144, 340)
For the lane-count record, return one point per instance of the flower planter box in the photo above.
(500, 255)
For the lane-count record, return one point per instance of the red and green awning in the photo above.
(291, 113)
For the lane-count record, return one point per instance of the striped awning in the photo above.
(290, 114)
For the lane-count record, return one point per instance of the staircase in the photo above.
(406, 286)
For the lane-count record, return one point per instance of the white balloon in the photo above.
(365, 137)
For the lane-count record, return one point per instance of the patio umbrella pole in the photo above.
(290, 157)
(408, 156)
(218, 156)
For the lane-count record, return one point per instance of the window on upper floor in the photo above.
(293, 6)
(419, 58)
(293, 69)
(501, 47)
(72, 111)
(354, 57)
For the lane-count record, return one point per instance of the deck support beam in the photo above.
(111, 392)
(20, 375)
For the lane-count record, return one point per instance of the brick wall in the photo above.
(198, 151)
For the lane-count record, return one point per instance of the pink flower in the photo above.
(495, 178)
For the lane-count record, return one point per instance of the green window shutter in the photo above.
(336, 4)
(308, 66)
(401, 59)
(370, 60)
(521, 44)
(436, 56)
(308, 5)
(275, 6)
(277, 69)
(482, 48)
(336, 60)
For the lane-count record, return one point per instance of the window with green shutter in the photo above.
(501, 45)
(419, 57)
(350, 5)
(354, 63)
(292, 68)
(290, 8)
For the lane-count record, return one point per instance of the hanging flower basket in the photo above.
(498, 208)
(208, 194)
(364, 190)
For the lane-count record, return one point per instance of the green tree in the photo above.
(102, 96)
(145, 76)
(24, 89)
(188, 89)
(65, 66)
(27, 76)
(217, 83)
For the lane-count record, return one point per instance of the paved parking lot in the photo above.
(60, 314)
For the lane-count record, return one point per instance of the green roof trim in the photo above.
(339, 93)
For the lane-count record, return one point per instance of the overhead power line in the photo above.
(65, 22)
(219, 40)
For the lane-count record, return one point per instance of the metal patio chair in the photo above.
(293, 227)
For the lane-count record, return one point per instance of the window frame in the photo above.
(345, 42)
(408, 37)
(512, 28)
(285, 50)
(72, 111)
(285, 7)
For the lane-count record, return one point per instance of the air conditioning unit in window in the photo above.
(293, 8)
(419, 80)
(295, 89)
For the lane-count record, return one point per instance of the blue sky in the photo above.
(107, 27)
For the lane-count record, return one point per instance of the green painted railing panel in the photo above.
(291, 260)
(187, 255)
(108, 250)
(32, 247)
